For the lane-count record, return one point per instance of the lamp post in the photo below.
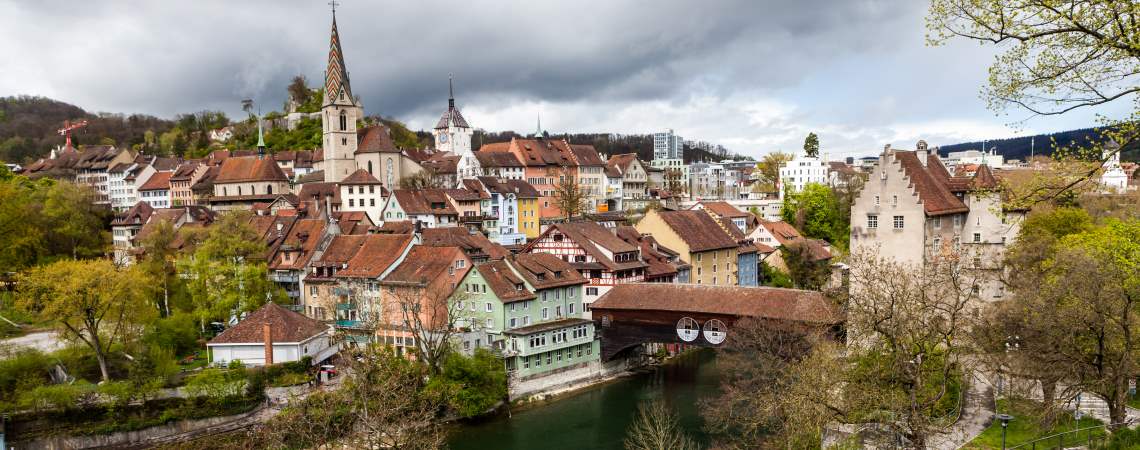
(1004, 418)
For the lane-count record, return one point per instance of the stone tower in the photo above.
(452, 134)
(339, 113)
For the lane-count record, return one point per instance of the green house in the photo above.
(529, 308)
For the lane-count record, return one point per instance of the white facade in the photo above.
(318, 347)
(800, 171)
(452, 134)
(157, 198)
(674, 165)
(1113, 177)
(667, 145)
(368, 198)
(124, 194)
(978, 157)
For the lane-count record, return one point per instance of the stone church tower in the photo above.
(452, 134)
(339, 113)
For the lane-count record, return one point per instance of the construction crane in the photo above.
(68, 126)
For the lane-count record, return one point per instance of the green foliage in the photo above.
(815, 211)
(57, 396)
(401, 135)
(804, 271)
(1029, 423)
(66, 225)
(473, 384)
(771, 276)
(811, 145)
(177, 333)
(1123, 439)
(217, 384)
(22, 372)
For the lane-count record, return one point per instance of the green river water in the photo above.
(597, 418)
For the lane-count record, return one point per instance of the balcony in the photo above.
(351, 324)
(341, 292)
(345, 307)
(284, 276)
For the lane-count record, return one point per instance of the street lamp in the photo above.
(1004, 418)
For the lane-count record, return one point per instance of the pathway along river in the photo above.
(597, 418)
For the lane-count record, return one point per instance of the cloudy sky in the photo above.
(755, 76)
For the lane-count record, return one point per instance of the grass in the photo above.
(1026, 426)
(1134, 401)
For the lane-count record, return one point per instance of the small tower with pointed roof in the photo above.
(453, 134)
(339, 113)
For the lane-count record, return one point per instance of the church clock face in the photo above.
(442, 138)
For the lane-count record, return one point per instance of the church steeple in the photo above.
(450, 93)
(337, 88)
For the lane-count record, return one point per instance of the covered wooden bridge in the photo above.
(701, 315)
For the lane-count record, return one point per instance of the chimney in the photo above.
(921, 152)
(267, 337)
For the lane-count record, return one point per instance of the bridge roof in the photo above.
(758, 302)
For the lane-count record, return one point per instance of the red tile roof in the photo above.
(285, 326)
(931, 182)
(586, 155)
(618, 165)
(426, 264)
(783, 232)
(424, 201)
(724, 209)
(544, 271)
(593, 238)
(375, 139)
(249, 168)
(377, 253)
(698, 229)
(476, 245)
(361, 176)
(158, 181)
(757, 302)
(506, 285)
(489, 156)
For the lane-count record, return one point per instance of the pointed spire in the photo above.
(450, 93)
(336, 75)
(538, 129)
(260, 140)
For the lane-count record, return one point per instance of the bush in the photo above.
(472, 385)
(1123, 439)
(217, 384)
(177, 333)
(58, 396)
(23, 371)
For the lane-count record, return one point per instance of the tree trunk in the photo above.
(102, 358)
(1048, 392)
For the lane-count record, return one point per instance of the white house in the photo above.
(291, 337)
(800, 171)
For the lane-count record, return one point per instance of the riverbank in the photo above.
(597, 416)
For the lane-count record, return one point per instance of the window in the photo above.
(937, 222)
(488, 307)
(526, 320)
(570, 309)
(489, 323)
(313, 291)
(545, 313)
(977, 237)
(876, 200)
(350, 203)
(957, 221)
(459, 305)
(899, 222)
(872, 222)
(698, 257)
(372, 202)
(343, 121)
(526, 362)
(894, 200)
(557, 310)
(937, 243)
(350, 189)
(514, 322)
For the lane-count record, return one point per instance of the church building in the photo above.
(453, 135)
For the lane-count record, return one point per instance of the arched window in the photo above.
(269, 190)
(343, 121)
(370, 168)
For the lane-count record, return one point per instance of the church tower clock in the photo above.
(452, 134)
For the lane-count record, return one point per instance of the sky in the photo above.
(755, 76)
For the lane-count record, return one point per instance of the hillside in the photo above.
(610, 144)
(1042, 144)
(28, 127)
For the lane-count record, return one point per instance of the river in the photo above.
(597, 418)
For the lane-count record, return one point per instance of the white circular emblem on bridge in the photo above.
(688, 329)
(715, 331)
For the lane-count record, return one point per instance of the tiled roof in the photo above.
(361, 176)
(421, 201)
(311, 192)
(376, 254)
(661, 261)
(724, 209)
(618, 165)
(375, 139)
(312, 177)
(520, 188)
(464, 195)
(249, 168)
(426, 264)
(137, 215)
(185, 171)
(302, 238)
(451, 117)
(441, 164)
(158, 181)
(593, 237)
(284, 326)
(342, 249)
(782, 231)
(757, 302)
(471, 243)
(931, 182)
(396, 227)
(543, 152)
(586, 155)
(506, 285)
(546, 326)
(698, 230)
(497, 158)
(544, 271)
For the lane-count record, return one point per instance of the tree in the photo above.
(90, 301)
(769, 168)
(804, 268)
(656, 428)
(428, 310)
(73, 226)
(817, 213)
(811, 145)
(299, 90)
(158, 261)
(420, 180)
(675, 182)
(389, 404)
(1079, 325)
(472, 384)
(570, 199)
(1058, 56)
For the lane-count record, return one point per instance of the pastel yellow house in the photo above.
(698, 239)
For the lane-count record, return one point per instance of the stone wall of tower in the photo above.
(339, 141)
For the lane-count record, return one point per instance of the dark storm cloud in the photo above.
(167, 57)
